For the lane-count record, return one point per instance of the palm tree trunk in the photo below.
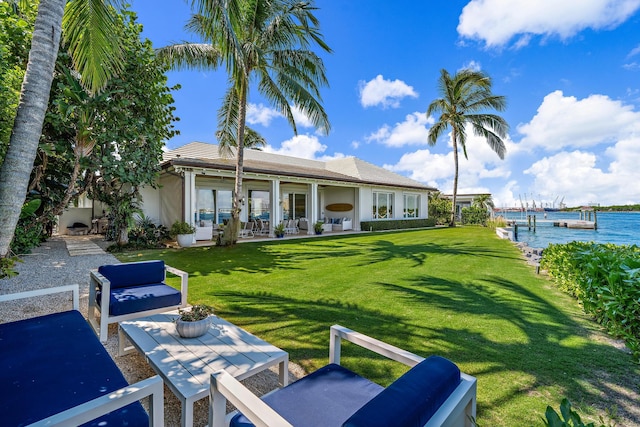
(234, 226)
(27, 128)
(454, 137)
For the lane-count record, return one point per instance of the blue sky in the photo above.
(570, 71)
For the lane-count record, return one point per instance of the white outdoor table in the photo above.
(186, 364)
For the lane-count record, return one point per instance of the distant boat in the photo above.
(551, 210)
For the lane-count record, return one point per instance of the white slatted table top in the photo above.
(186, 364)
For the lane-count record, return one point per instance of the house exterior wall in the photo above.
(151, 205)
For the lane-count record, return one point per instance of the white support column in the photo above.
(276, 206)
(313, 218)
(190, 198)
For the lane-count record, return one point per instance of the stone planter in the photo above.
(185, 240)
(192, 329)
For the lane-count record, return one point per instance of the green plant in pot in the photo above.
(194, 322)
(183, 232)
(278, 230)
(317, 227)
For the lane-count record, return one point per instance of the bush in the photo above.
(29, 231)
(147, 235)
(567, 417)
(181, 227)
(396, 224)
(605, 278)
(475, 216)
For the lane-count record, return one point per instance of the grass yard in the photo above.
(461, 293)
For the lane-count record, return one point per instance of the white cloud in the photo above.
(301, 119)
(564, 121)
(263, 115)
(578, 176)
(471, 65)
(635, 51)
(438, 169)
(303, 146)
(383, 92)
(497, 22)
(412, 131)
(260, 114)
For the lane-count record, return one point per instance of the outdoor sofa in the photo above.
(131, 290)
(339, 224)
(55, 372)
(432, 393)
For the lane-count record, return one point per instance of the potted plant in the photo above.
(195, 322)
(183, 232)
(317, 227)
(278, 230)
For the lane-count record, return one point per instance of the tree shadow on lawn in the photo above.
(265, 257)
(303, 326)
(547, 344)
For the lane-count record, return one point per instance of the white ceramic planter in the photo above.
(185, 240)
(193, 329)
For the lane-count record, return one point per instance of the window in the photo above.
(259, 205)
(294, 205)
(382, 205)
(224, 200)
(411, 205)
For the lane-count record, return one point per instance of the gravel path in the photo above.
(52, 265)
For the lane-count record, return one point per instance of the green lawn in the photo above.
(461, 293)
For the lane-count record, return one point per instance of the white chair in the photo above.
(247, 229)
(291, 227)
(433, 393)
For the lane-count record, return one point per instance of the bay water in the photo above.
(620, 228)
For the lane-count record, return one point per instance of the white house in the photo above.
(196, 185)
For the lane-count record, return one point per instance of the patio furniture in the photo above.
(186, 364)
(127, 291)
(204, 230)
(341, 224)
(262, 227)
(55, 371)
(432, 393)
(247, 229)
(291, 227)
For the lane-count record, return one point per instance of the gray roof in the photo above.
(347, 169)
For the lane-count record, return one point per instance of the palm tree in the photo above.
(88, 28)
(263, 41)
(465, 97)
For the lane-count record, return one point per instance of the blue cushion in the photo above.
(135, 299)
(324, 398)
(412, 399)
(133, 273)
(52, 363)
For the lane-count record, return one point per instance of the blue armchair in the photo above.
(128, 291)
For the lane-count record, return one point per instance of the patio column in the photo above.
(190, 198)
(313, 218)
(276, 206)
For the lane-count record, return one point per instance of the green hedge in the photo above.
(605, 278)
(396, 224)
(474, 216)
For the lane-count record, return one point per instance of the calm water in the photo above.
(621, 228)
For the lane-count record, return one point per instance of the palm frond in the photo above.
(90, 29)
(189, 56)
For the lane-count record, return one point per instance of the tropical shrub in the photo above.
(396, 224)
(147, 235)
(29, 231)
(605, 278)
(475, 215)
(567, 417)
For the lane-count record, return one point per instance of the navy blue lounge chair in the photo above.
(54, 371)
(432, 393)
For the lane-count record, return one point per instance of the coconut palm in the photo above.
(263, 41)
(465, 98)
(88, 27)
